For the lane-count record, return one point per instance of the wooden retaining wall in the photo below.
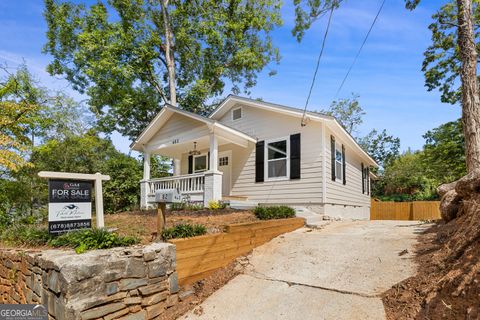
(197, 257)
(416, 210)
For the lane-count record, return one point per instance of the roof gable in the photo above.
(330, 121)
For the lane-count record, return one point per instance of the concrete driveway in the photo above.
(337, 272)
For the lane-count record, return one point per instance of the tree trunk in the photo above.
(468, 75)
(169, 58)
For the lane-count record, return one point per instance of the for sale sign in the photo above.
(70, 205)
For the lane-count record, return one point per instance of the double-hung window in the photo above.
(277, 158)
(338, 165)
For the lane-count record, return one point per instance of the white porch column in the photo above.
(213, 152)
(213, 177)
(144, 184)
(176, 167)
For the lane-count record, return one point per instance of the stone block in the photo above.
(151, 289)
(135, 308)
(135, 268)
(142, 315)
(99, 312)
(132, 300)
(172, 300)
(117, 314)
(53, 281)
(111, 288)
(155, 298)
(157, 269)
(130, 284)
(173, 282)
(155, 310)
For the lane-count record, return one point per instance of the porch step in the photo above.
(312, 219)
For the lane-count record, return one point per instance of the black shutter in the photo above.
(295, 151)
(332, 156)
(208, 160)
(368, 180)
(260, 161)
(363, 178)
(344, 165)
(190, 164)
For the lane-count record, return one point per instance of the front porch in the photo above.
(201, 150)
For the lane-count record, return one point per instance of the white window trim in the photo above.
(337, 148)
(206, 162)
(287, 177)
(241, 113)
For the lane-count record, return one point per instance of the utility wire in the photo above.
(318, 64)
(360, 50)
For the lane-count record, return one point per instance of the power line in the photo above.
(360, 50)
(318, 64)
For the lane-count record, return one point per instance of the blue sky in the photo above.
(387, 75)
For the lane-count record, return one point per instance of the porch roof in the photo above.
(226, 133)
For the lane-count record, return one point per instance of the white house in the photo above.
(259, 153)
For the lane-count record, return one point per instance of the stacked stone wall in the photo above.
(122, 283)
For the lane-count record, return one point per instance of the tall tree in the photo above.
(452, 54)
(20, 102)
(125, 54)
(348, 112)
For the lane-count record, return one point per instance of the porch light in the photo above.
(194, 152)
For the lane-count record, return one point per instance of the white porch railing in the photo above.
(187, 184)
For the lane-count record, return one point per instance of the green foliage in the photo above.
(20, 105)
(308, 11)
(383, 148)
(89, 154)
(348, 112)
(444, 152)
(216, 205)
(24, 235)
(89, 239)
(274, 212)
(406, 176)
(188, 206)
(184, 231)
(441, 65)
(114, 52)
(416, 175)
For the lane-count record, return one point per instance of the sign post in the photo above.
(70, 200)
(162, 197)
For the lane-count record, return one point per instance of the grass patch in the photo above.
(81, 241)
(274, 212)
(89, 239)
(184, 230)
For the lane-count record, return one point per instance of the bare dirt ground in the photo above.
(142, 224)
(447, 284)
(338, 272)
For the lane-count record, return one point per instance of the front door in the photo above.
(225, 165)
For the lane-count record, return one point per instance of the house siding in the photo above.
(265, 125)
(351, 193)
(181, 128)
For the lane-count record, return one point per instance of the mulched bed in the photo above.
(142, 224)
(447, 284)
